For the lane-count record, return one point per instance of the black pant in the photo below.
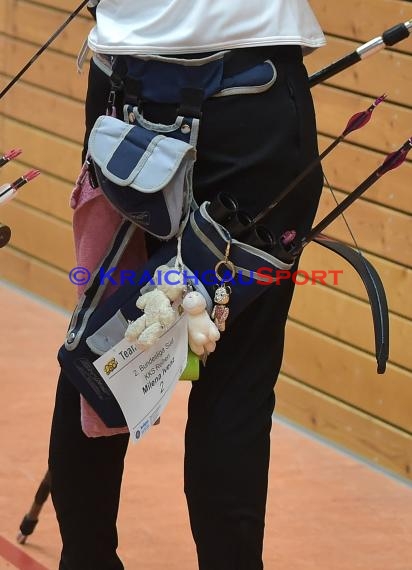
(250, 146)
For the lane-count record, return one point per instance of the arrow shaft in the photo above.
(42, 49)
(292, 185)
(389, 37)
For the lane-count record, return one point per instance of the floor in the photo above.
(326, 509)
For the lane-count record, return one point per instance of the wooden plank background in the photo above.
(329, 382)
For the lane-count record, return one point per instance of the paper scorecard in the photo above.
(143, 381)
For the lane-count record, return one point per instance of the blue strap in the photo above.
(129, 152)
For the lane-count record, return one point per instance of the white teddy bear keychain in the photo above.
(159, 309)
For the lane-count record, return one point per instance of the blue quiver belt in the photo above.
(95, 328)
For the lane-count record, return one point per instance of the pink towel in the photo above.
(94, 223)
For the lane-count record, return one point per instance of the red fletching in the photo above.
(31, 174)
(395, 159)
(358, 120)
(25, 178)
(15, 152)
(9, 156)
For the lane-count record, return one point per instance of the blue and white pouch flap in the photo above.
(145, 175)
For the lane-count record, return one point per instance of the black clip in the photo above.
(116, 87)
(94, 183)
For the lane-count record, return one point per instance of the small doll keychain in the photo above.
(223, 291)
(220, 310)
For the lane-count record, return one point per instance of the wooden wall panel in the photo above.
(389, 128)
(46, 111)
(43, 114)
(3, 22)
(35, 23)
(348, 374)
(45, 151)
(366, 77)
(392, 190)
(47, 194)
(397, 278)
(53, 71)
(380, 230)
(348, 319)
(362, 20)
(329, 382)
(40, 235)
(369, 437)
(38, 277)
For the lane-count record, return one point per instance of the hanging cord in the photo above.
(179, 260)
(331, 189)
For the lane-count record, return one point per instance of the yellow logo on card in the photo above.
(110, 366)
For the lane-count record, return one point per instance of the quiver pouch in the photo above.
(145, 175)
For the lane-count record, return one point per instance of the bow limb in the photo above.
(376, 295)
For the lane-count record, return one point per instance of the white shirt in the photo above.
(195, 26)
